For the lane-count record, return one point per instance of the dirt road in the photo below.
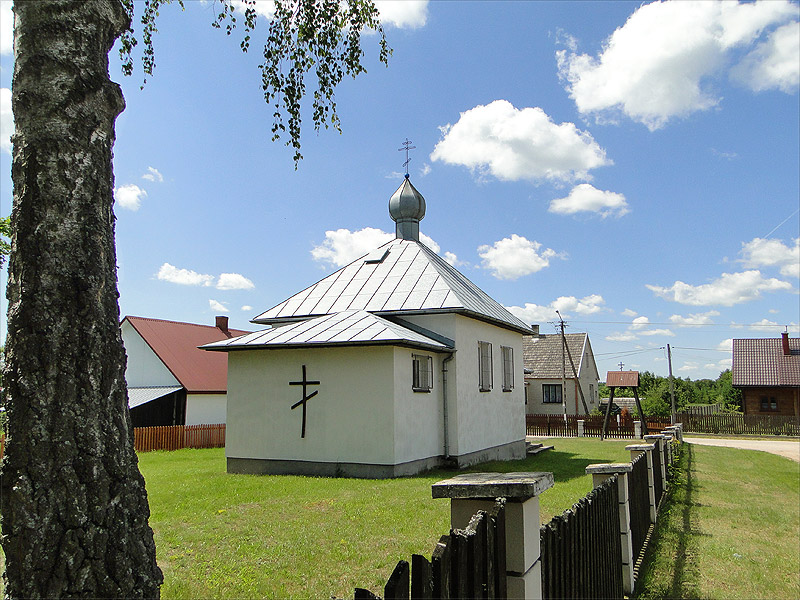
(787, 448)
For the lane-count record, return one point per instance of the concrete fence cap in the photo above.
(519, 486)
(640, 447)
(609, 468)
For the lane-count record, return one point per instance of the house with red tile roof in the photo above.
(170, 380)
(768, 373)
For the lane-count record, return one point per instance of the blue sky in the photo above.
(633, 166)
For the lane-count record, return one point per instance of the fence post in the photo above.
(472, 492)
(660, 439)
(636, 450)
(637, 430)
(599, 474)
(581, 432)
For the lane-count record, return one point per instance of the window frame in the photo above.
(507, 352)
(485, 368)
(418, 383)
(555, 387)
(768, 404)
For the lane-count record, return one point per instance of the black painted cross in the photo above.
(306, 397)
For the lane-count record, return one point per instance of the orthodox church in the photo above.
(392, 365)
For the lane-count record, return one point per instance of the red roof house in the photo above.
(767, 371)
(170, 380)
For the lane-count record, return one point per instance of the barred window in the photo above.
(422, 373)
(551, 393)
(508, 368)
(484, 366)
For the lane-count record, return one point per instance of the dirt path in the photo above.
(787, 448)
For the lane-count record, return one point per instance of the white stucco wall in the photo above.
(350, 420)
(144, 368)
(205, 409)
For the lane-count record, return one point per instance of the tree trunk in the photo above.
(74, 506)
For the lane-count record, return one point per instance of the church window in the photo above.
(485, 366)
(508, 368)
(422, 373)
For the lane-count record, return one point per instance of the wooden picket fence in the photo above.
(733, 424)
(175, 437)
(567, 426)
(467, 563)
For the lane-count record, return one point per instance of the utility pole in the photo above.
(671, 385)
(564, 346)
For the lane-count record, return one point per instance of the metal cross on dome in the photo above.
(621, 364)
(407, 146)
(306, 397)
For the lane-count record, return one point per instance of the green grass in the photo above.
(223, 536)
(732, 529)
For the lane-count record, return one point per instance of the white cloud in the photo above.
(640, 322)
(217, 306)
(629, 313)
(694, 319)
(173, 274)
(452, 259)
(761, 252)
(621, 337)
(764, 325)
(514, 257)
(153, 175)
(234, 281)
(247, 307)
(129, 196)
(658, 64)
(342, 246)
(535, 313)
(6, 27)
(6, 116)
(773, 64)
(587, 198)
(688, 367)
(726, 345)
(403, 14)
(729, 289)
(263, 8)
(513, 144)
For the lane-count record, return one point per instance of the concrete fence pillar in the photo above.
(581, 432)
(472, 492)
(637, 430)
(599, 474)
(636, 450)
(659, 440)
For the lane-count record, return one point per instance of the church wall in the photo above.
(350, 420)
(205, 409)
(144, 368)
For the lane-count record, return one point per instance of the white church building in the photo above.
(392, 365)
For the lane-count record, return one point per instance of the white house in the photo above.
(170, 380)
(392, 365)
(550, 383)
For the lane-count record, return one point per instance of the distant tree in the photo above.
(5, 234)
(728, 396)
(74, 507)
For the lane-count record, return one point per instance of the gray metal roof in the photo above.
(400, 277)
(347, 328)
(142, 395)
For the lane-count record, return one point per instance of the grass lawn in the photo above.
(732, 529)
(225, 536)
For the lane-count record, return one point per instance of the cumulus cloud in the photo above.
(247, 307)
(587, 198)
(153, 175)
(6, 27)
(403, 14)
(566, 305)
(6, 117)
(173, 274)
(234, 281)
(728, 290)
(129, 196)
(513, 144)
(629, 313)
(761, 252)
(342, 246)
(514, 257)
(695, 319)
(217, 306)
(658, 65)
(621, 337)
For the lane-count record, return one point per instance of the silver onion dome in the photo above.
(407, 209)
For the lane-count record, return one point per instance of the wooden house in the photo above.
(767, 371)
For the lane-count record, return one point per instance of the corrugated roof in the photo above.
(400, 277)
(622, 379)
(346, 328)
(176, 344)
(761, 362)
(542, 354)
(142, 395)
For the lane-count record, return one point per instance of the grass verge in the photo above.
(731, 529)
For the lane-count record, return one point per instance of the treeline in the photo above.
(655, 397)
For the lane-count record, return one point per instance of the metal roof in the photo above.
(622, 379)
(542, 354)
(142, 395)
(347, 328)
(400, 277)
(176, 344)
(762, 362)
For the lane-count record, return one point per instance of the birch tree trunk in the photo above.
(74, 506)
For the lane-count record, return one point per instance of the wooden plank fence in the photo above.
(559, 426)
(732, 424)
(639, 503)
(175, 437)
(581, 551)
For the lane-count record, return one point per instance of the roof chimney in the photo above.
(222, 324)
(785, 343)
(535, 329)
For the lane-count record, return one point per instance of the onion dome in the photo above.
(407, 209)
